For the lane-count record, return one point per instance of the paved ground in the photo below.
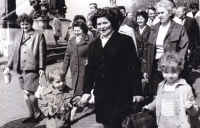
(13, 108)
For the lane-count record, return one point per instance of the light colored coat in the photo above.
(57, 27)
(183, 93)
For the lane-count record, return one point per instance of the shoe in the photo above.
(37, 119)
(28, 119)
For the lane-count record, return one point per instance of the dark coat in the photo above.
(192, 30)
(176, 39)
(76, 57)
(34, 53)
(114, 69)
(142, 39)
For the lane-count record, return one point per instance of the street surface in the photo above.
(13, 108)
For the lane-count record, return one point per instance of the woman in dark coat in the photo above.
(113, 66)
(142, 32)
(76, 57)
(29, 60)
(164, 36)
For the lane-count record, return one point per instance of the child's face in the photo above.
(92, 8)
(171, 76)
(58, 83)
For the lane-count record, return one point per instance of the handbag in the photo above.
(40, 89)
(142, 119)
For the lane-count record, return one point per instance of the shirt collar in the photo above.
(178, 83)
(107, 37)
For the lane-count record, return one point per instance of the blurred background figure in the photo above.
(93, 9)
(129, 15)
(192, 30)
(153, 19)
(195, 13)
(57, 28)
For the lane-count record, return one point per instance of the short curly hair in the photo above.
(112, 14)
(79, 17)
(171, 61)
(169, 5)
(194, 5)
(143, 14)
(25, 17)
(55, 72)
(82, 25)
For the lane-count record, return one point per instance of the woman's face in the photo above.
(104, 26)
(140, 20)
(26, 26)
(78, 31)
(163, 14)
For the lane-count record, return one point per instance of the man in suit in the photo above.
(192, 30)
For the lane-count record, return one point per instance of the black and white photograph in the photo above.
(99, 64)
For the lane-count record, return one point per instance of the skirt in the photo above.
(29, 80)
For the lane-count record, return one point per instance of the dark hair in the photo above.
(151, 8)
(121, 7)
(112, 14)
(82, 25)
(77, 17)
(25, 17)
(93, 4)
(194, 5)
(143, 14)
(54, 72)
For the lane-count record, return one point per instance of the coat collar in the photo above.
(179, 83)
(84, 40)
(144, 31)
(50, 89)
(31, 32)
(115, 36)
(155, 30)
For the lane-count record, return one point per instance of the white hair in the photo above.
(166, 4)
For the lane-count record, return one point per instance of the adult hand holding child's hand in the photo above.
(188, 105)
(85, 98)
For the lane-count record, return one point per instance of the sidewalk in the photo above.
(13, 108)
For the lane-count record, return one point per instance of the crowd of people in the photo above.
(115, 60)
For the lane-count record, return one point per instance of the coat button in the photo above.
(24, 52)
(102, 75)
(102, 64)
(24, 60)
(103, 57)
(76, 56)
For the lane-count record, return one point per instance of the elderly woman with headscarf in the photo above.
(113, 66)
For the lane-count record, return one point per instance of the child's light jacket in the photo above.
(183, 93)
(59, 101)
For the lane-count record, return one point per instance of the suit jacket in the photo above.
(192, 30)
(114, 69)
(34, 52)
(76, 57)
(176, 39)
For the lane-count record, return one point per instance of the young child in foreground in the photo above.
(55, 101)
(175, 100)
